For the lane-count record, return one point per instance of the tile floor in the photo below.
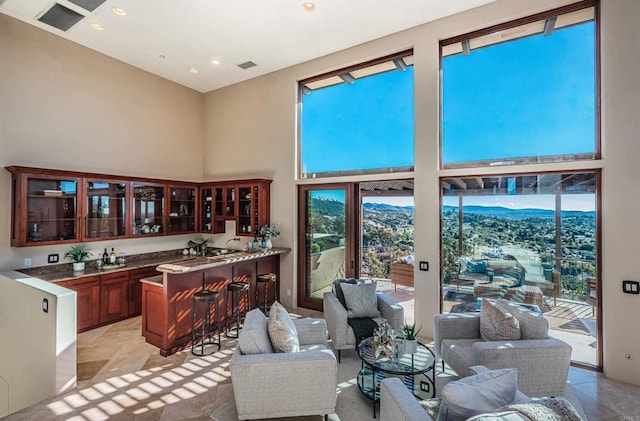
(120, 377)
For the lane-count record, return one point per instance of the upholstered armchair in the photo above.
(336, 315)
(268, 384)
(543, 364)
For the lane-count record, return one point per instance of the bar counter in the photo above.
(167, 302)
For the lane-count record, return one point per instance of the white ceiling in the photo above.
(168, 37)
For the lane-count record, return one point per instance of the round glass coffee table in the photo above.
(406, 366)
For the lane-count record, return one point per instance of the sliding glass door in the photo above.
(326, 253)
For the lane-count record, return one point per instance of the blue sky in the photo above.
(528, 97)
(368, 124)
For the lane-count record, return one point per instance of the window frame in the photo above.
(302, 89)
(596, 155)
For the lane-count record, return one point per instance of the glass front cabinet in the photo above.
(182, 209)
(54, 207)
(245, 202)
(105, 212)
(148, 208)
(48, 211)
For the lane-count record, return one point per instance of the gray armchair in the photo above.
(341, 333)
(543, 364)
(277, 385)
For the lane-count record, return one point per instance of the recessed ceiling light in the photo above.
(97, 27)
(309, 6)
(118, 11)
(193, 70)
(215, 61)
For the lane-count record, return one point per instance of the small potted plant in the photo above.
(268, 232)
(410, 333)
(77, 255)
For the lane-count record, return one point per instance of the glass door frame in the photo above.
(598, 235)
(352, 224)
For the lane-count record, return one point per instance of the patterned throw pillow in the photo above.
(533, 325)
(361, 299)
(282, 331)
(498, 324)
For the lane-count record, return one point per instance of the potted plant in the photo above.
(77, 255)
(410, 333)
(268, 232)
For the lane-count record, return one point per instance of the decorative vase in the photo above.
(263, 243)
(410, 346)
(78, 267)
(269, 245)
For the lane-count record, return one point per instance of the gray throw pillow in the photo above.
(282, 331)
(498, 324)
(533, 325)
(254, 336)
(361, 299)
(478, 394)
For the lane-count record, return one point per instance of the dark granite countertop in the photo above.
(171, 261)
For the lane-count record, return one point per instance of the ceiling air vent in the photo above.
(89, 5)
(60, 17)
(247, 65)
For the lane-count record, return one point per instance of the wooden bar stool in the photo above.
(235, 289)
(266, 279)
(203, 336)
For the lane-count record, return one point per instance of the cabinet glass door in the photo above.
(182, 209)
(51, 209)
(106, 213)
(246, 224)
(148, 209)
(206, 210)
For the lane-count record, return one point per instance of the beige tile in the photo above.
(88, 370)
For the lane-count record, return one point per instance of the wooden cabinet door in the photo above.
(135, 288)
(114, 296)
(88, 301)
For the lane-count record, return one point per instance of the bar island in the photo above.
(167, 298)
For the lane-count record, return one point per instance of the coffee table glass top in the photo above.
(404, 364)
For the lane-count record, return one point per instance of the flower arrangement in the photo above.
(269, 231)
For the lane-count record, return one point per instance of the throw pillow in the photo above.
(553, 409)
(500, 416)
(478, 394)
(254, 336)
(477, 266)
(498, 324)
(282, 331)
(337, 289)
(361, 299)
(533, 325)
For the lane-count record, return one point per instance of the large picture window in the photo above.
(358, 120)
(521, 92)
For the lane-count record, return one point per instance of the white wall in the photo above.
(251, 128)
(38, 352)
(68, 107)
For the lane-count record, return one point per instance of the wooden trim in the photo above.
(355, 67)
(518, 22)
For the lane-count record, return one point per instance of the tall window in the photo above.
(521, 93)
(358, 120)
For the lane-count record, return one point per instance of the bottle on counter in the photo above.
(112, 257)
(254, 245)
(105, 257)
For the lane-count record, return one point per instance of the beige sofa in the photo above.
(276, 385)
(543, 364)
